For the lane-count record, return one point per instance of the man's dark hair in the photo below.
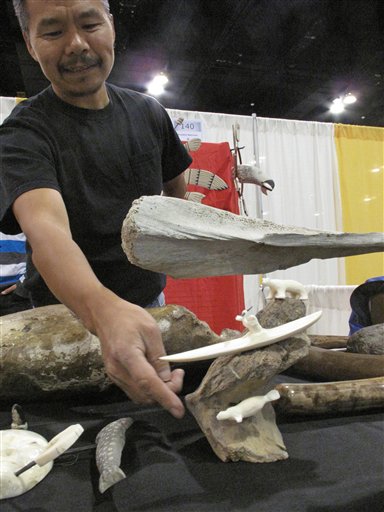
(23, 17)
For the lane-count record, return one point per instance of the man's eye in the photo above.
(56, 33)
(91, 26)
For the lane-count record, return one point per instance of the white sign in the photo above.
(188, 129)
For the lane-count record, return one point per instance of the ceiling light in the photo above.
(337, 106)
(156, 86)
(349, 99)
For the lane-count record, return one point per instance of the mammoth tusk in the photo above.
(330, 397)
(188, 239)
(331, 365)
(256, 337)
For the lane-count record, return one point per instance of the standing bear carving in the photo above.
(278, 289)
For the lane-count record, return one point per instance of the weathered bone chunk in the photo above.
(46, 352)
(232, 379)
(188, 239)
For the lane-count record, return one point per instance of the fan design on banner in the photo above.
(205, 179)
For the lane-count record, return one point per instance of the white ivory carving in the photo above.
(252, 173)
(256, 337)
(187, 239)
(278, 288)
(248, 407)
(17, 449)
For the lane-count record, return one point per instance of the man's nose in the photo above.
(76, 42)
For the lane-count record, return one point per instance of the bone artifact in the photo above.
(279, 288)
(46, 352)
(331, 365)
(188, 239)
(248, 407)
(330, 397)
(256, 337)
(110, 442)
(232, 379)
(18, 448)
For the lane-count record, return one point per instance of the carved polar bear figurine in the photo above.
(278, 288)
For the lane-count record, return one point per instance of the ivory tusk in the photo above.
(330, 365)
(330, 397)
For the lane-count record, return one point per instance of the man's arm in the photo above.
(176, 187)
(130, 338)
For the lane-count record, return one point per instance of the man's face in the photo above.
(72, 40)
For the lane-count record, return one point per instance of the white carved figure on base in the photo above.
(278, 289)
(255, 337)
(26, 457)
(247, 407)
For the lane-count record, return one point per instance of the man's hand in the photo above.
(130, 338)
(131, 346)
(9, 290)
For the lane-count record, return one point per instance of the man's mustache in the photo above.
(80, 60)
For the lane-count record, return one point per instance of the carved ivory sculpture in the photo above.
(18, 448)
(248, 407)
(110, 442)
(278, 288)
(256, 337)
(188, 239)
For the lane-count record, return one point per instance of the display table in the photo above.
(335, 464)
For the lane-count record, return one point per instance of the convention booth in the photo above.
(327, 177)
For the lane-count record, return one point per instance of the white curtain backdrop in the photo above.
(301, 158)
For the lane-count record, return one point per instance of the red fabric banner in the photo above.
(216, 300)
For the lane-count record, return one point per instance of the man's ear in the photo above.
(113, 27)
(29, 46)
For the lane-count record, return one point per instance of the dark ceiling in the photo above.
(276, 58)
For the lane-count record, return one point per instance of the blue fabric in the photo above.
(12, 258)
(361, 316)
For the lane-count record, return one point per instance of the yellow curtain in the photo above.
(360, 152)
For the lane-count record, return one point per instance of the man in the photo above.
(73, 159)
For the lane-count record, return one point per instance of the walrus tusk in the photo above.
(189, 239)
(256, 337)
(330, 397)
(331, 365)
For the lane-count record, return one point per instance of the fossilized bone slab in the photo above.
(46, 352)
(232, 379)
(188, 239)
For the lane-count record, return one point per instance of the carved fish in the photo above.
(110, 442)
